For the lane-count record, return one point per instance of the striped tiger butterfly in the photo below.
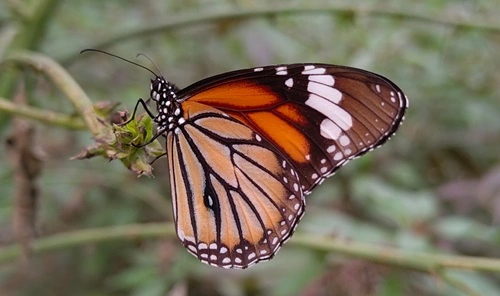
(245, 147)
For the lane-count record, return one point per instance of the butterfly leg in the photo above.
(156, 158)
(146, 108)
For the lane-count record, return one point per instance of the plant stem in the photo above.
(432, 263)
(64, 81)
(182, 21)
(388, 255)
(44, 116)
(35, 21)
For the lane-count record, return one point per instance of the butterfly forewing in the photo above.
(318, 116)
(236, 199)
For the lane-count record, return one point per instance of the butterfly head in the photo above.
(169, 109)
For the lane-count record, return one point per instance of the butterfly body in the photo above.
(245, 147)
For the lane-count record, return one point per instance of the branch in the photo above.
(44, 116)
(36, 17)
(432, 263)
(81, 237)
(182, 21)
(388, 255)
(63, 81)
(27, 166)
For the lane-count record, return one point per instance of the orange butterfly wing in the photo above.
(235, 200)
(244, 147)
(319, 116)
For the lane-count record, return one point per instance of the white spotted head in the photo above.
(169, 115)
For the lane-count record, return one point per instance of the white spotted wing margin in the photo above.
(338, 113)
(235, 199)
(351, 112)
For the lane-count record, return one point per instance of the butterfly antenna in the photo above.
(152, 62)
(123, 59)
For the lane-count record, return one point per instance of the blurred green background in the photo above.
(434, 188)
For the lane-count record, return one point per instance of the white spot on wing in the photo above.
(189, 239)
(338, 156)
(324, 79)
(313, 71)
(258, 69)
(344, 140)
(327, 92)
(330, 130)
(289, 82)
(281, 70)
(336, 114)
(193, 249)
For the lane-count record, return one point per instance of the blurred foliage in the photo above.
(435, 187)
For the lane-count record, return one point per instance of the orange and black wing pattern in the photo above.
(319, 116)
(235, 199)
(245, 147)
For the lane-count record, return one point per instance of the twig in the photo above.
(44, 116)
(30, 33)
(64, 82)
(381, 254)
(81, 237)
(388, 255)
(27, 166)
(185, 20)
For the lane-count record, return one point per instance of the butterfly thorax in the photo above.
(169, 115)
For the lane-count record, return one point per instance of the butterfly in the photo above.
(245, 147)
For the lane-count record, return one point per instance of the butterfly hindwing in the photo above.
(236, 199)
